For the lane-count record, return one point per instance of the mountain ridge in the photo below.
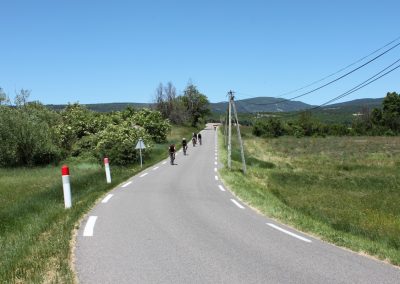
(250, 105)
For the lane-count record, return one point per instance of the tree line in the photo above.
(33, 134)
(379, 121)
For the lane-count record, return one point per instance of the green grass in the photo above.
(344, 189)
(36, 230)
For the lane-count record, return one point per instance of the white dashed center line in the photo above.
(221, 188)
(164, 162)
(88, 232)
(105, 200)
(126, 184)
(289, 233)
(216, 177)
(215, 163)
(145, 174)
(237, 204)
(215, 169)
(155, 168)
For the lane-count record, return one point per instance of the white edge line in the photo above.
(105, 200)
(215, 163)
(163, 163)
(145, 174)
(289, 233)
(88, 232)
(216, 177)
(126, 184)
(155, 168)
(237, 203)
(221, 188)
(215, 169)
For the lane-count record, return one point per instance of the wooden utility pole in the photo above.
(230, 93)
(232, 105)
(239, 137)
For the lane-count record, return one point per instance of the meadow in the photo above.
(35, 229)
(345, 190)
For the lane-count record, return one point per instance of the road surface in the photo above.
(179, 224)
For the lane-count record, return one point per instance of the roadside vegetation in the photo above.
(378, 121)
(35, 229)
(345, 190)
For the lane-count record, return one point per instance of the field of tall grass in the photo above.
(36, 230)
(345, 190)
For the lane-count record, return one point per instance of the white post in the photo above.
(141, 161)
(66, 186)
(107, 167)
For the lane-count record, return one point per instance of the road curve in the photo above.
(178, 224)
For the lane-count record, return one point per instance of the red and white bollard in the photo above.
(107, 167)
(66, 186)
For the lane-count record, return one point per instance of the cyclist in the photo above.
(172, 150)
(199, 138)
(184, 145)
(194, 138)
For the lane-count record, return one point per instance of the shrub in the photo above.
(118, 142)
(26, 139)
(153, 122)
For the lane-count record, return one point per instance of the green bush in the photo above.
(118, 142)
(76, 122)
(153, 122)
(26, 138)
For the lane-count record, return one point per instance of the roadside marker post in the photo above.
(66, 186)
(107, 167)
(140, 145)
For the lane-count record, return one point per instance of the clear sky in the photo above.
(119, 51)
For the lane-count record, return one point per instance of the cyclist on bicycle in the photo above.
(194, 138)
(199, 138)
(184, 145)
(172, 150)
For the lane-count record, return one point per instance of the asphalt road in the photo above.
(175, 224)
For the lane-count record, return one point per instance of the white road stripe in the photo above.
(237, 204)
(88, 232)
(215, 163)
(215, 169)
(216, 177)
(164, 162)
(155, 168)
(216, 157)
(289, 233)
(221, 188)
(145, 174)
(105, 200)
(126, 184)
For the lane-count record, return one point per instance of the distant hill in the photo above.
(355, 105)
(261, 104)
(106, 107)
(254, 105)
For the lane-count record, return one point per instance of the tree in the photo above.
(391, 111)
(196, 104)
(21, 98)
(170, 105)
(3, 97)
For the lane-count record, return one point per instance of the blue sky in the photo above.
(119, 51)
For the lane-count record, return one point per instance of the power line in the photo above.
(356, 88)
(332, 81)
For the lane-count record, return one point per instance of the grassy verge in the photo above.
(35, 229)
(346, 190)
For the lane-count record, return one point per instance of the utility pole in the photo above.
(230, 93)
(232, 105)
(239, 137)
